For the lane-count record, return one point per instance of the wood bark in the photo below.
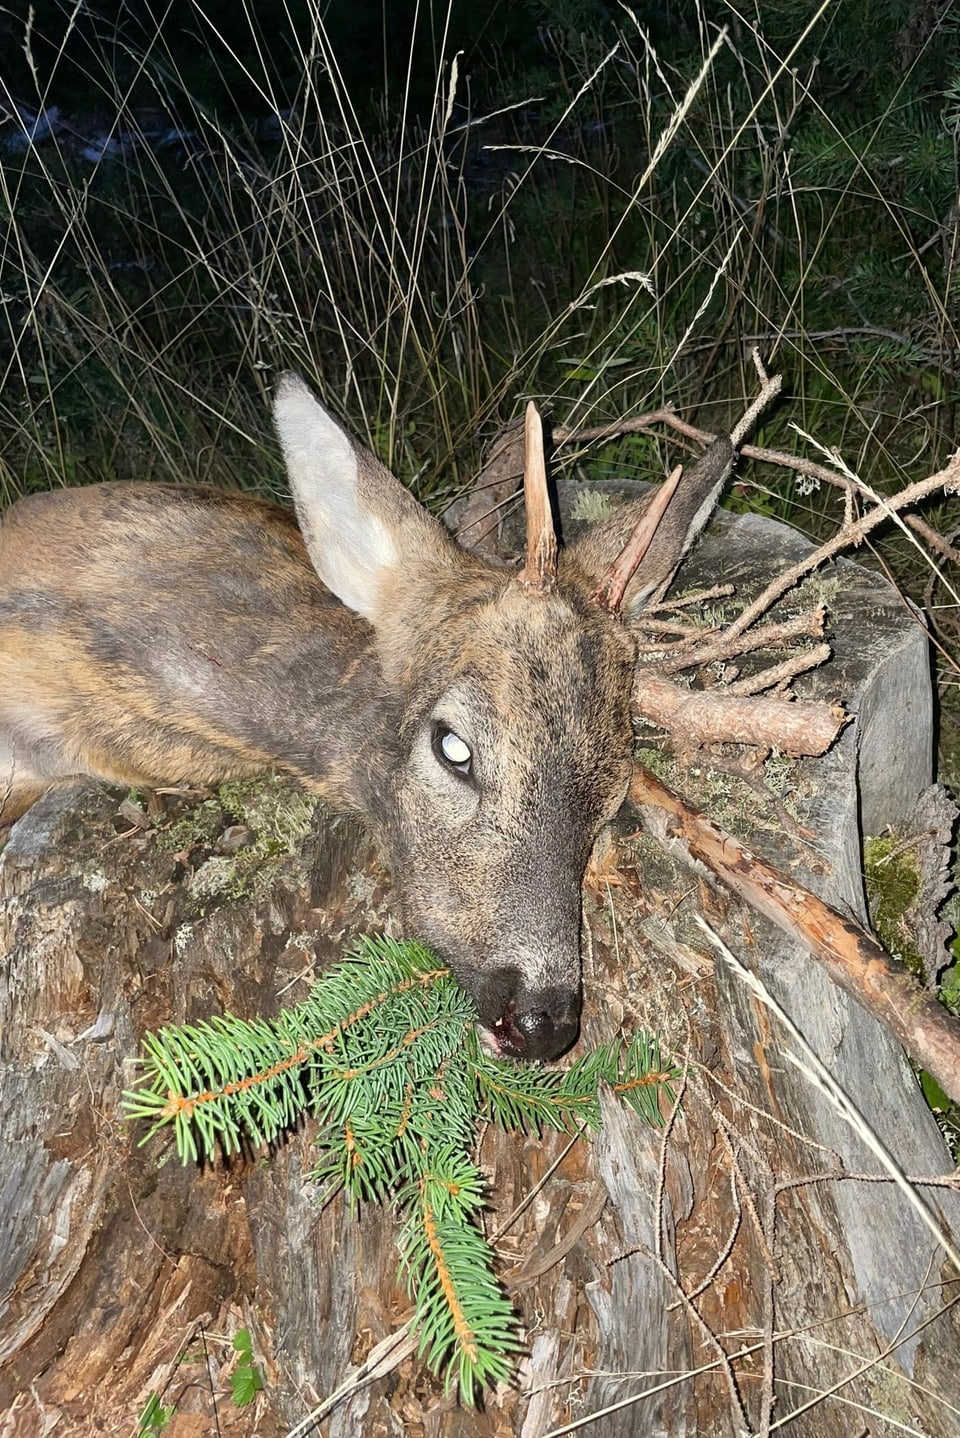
(712, 1279)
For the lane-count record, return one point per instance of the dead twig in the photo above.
(770, 386)
(851, 956)
(698, 598)
(723, 647)
(713, 716)
(689, 633)
(588, 1218)
(932, 537)
(647, 424)
(849, 536)
(778, 676)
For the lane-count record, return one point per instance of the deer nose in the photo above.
(535, 1033)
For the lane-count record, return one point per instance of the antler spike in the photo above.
(612, 586)
(539, 571)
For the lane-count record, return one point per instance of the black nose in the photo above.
(534, 1033)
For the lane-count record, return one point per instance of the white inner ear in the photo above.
(349, 546)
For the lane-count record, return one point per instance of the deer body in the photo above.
(151, 634)
(172, 633)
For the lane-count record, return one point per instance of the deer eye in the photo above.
(452, 751)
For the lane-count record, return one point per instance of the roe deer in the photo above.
(477, 717)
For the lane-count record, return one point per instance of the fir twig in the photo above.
(384, 1052)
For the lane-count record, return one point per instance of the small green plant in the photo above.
(950, 981)
(384, 1053)
(245, 1380)
(154, 1418)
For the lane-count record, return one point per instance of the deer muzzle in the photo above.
(537, 1032)
(534, 1024)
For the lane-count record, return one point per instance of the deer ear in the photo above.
(359, 523)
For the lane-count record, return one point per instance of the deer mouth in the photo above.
(502, 1039)
(531, 1034)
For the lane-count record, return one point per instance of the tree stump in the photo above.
(734, 1271)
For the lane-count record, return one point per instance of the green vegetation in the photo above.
(154, 1418)
(384, 1053)
(542, 199)
(890, 870)
(235, 844)
(245, 1380)
(892, 881)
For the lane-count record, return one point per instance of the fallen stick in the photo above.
(851, 956)
(697, 717)
(716, 647)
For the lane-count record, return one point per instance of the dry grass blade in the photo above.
(382, 1360)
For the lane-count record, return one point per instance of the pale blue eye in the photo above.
(454, 749)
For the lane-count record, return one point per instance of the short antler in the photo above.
(612, 587)
(540, 567)
(667, 526)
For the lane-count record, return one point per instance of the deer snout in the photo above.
(535, 1032)
(526, 1023)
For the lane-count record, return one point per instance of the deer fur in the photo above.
(151, 634)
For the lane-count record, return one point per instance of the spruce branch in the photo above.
(384, 1053)
(446, 1261)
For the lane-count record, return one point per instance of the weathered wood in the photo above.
(851, 956)
(836, 1244)
(735, 1226)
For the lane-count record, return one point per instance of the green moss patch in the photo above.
(235, 844)
(892, 881)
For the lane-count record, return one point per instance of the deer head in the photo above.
(503, 740)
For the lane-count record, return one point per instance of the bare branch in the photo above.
(769, 389)
(935, 540)
(712, 716)
(699, 597)
(848, 537)
(851, 956)
(779, 675)
(638, 424)
(646, 424)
